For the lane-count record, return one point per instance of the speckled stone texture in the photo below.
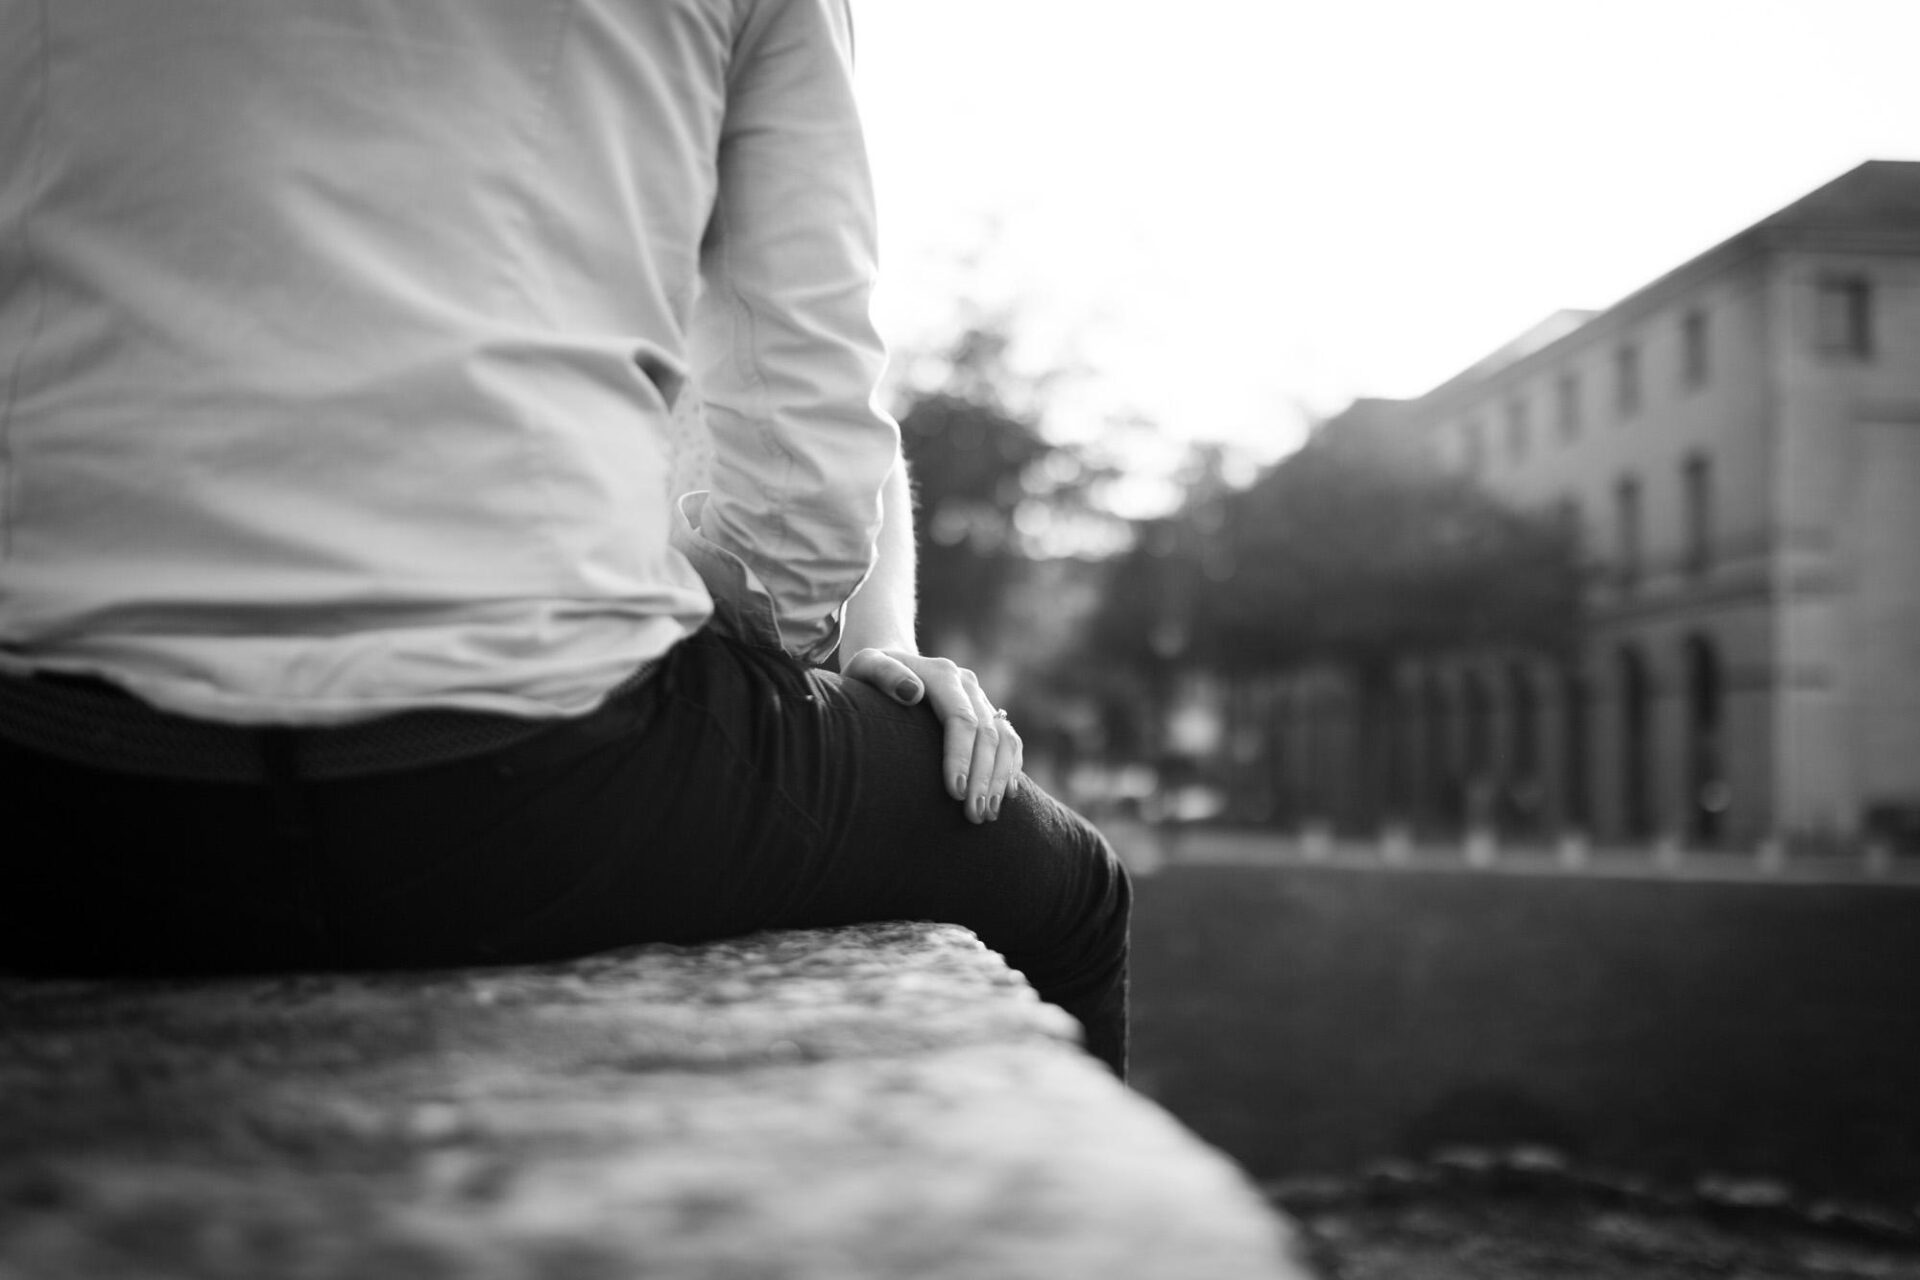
(881, 1101)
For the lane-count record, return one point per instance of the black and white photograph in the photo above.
(959, 640)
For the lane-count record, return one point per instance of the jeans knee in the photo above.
(1119, 878)
(1105, 899)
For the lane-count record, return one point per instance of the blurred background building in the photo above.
(1732, 457)
(1645, 577)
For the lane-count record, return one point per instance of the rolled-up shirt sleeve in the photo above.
(785, 352)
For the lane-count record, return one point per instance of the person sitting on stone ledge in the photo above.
(345, 619)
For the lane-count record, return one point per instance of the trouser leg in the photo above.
(735, 791)
(1039, 885)
(764, 795)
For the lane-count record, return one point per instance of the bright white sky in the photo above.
(1235, 212)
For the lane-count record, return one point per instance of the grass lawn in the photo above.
(1308, 1019)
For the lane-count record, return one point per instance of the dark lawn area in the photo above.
(1310, 1019)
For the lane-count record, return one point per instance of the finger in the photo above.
(970, 737)
(884, 671)
(948, 697)
(1007, 761)
(963, 724)
(986, 746)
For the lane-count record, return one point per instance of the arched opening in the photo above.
(1636, 745)
(1523, 796)
(1317, 760)
(1708, 795)
(1576, 805)
(1477, 748)
(1400, 770)
(1439, 785)
(1282, 798)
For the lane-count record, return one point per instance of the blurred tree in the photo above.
(967, 458)
(1143, 631)
(1336, 556)
(1340, 556)
(992, 494)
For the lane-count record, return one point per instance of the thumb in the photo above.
(883, 671)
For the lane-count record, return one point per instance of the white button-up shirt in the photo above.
(338, 340)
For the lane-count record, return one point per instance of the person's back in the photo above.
(347, 377)
(341, 340)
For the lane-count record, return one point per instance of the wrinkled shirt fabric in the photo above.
(339, 339)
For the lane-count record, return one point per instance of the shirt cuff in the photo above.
(743, 608)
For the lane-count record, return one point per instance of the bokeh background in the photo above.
(1441, 485)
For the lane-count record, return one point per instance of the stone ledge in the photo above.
(882, 1101)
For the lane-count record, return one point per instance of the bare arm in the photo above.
(880, 614)
(983, 753)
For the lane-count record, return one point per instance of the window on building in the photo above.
(1695, 354)
(1626, 380)
(1571, 522)
(1518, 429)
(1626, 524)
(1567, 399)
(1843, 316)
(1696, 481)
(1473, 447)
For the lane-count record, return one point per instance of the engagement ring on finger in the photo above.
(1001, 714)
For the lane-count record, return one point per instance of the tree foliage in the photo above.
(1341, 557)
(966, 458)
(989, 488)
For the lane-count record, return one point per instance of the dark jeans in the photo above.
(735, 790)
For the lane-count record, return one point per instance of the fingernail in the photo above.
(907, 690)
(960, 785)
(993, 807)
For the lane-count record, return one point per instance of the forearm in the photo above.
(880, 614)
(983, 753)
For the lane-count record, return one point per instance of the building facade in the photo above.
(1738, 447)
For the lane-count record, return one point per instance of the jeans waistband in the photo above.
(94, 723)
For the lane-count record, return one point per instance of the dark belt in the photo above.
(90, 722)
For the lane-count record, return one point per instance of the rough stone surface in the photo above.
(1491, 1235)
(885, 1101)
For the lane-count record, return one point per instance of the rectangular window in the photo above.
(1694, 352)
(1567, 398)
(1518, 429)
(1626, 380)
(1843, 316)
(1473, 448)
(1696, 480)
(1567, 515)
(1626, 517)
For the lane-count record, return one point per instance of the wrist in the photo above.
(889, 643)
